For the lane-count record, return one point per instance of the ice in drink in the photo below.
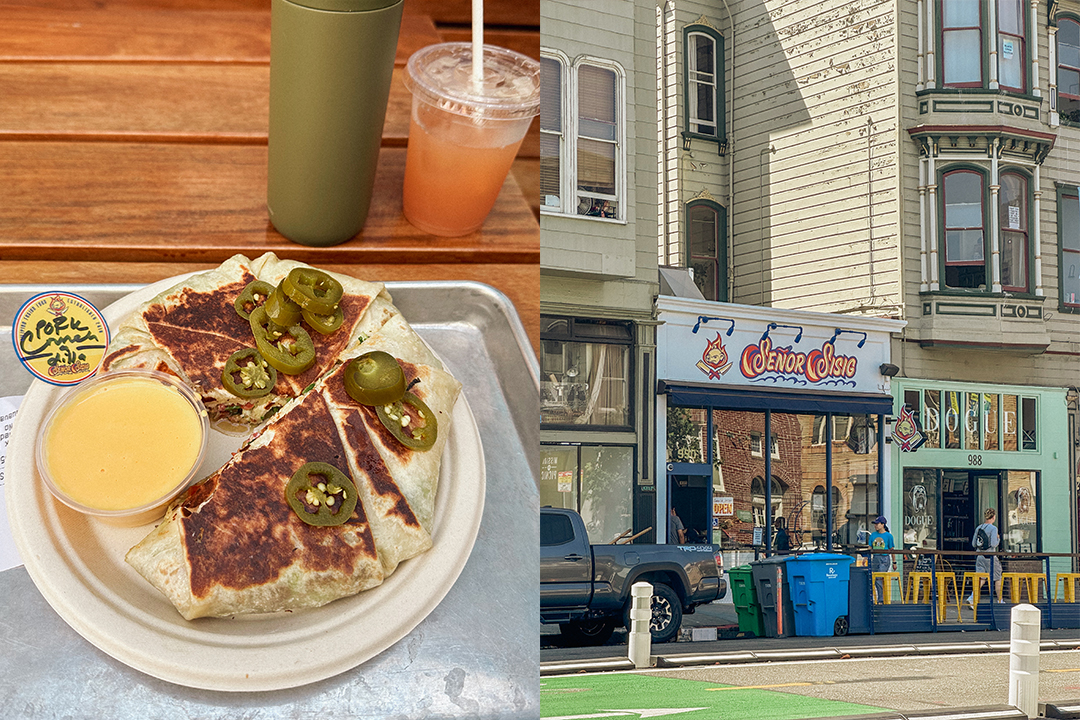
(463, 136)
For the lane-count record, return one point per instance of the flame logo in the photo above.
(714, 360)
(57, 306)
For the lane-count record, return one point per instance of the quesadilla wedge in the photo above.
(192, 329)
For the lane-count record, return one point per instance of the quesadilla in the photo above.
(234, 543)
(191, 330)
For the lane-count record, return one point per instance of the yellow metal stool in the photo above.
(975, 578)
(1069, 580)
(944, 579)
(886, 593)
(915, 584)
(1024, 580)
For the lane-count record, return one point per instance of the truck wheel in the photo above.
(588, 632)
(666, 614)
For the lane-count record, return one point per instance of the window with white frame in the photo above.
(1069, 240)
(1068, 69)
(552, 71)
(702, 82)
(581, 126)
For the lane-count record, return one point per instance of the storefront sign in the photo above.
(723, 506)
(753, 346)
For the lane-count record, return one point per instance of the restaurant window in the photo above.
(1068, 70)
(920, 528)
(686, 435)
(704, 50)
(593, 480)
(585, 372)
(803, 481)
(961, 37)
(581, 129)
(965, 245)
(705, 226)
(957, 420)
(1069, 242)
(1019, 527)
(1013, 221)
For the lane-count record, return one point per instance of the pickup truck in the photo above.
(586, 588)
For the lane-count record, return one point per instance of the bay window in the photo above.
(961, 35)
(965, 245)
(1012, 68)
(1013, 222)
(585, 372)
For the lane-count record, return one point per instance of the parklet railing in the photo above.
(1026, 567)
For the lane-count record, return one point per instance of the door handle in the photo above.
(573, 556)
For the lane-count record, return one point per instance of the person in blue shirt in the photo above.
(880, 539)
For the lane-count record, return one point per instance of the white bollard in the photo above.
(1024, 659)
(639, 643)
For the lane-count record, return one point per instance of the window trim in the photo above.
(720, 88)
(568, 170)
(1063, 306)
(985, 46)
(721, 243)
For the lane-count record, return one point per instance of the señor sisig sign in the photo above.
(754, 346)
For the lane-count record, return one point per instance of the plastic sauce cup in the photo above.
(122, 445)
(463, 136)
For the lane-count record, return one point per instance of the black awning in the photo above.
(795, 401)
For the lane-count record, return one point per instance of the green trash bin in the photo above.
(744, 597)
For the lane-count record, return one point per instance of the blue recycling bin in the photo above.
(818, 583)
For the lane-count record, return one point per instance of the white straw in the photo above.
(478, 40)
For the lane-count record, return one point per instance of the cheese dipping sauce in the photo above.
(124, 441)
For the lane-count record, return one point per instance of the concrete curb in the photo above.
(675, 660)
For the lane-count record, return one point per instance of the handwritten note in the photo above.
(9, 556)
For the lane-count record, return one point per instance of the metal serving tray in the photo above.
(476, 655)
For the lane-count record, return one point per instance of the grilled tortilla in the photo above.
(190, 330)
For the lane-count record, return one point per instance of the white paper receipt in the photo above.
(9, 556)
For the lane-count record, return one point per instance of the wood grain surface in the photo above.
(133, 147)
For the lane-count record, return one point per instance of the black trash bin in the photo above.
(777, 610)
(859, 601)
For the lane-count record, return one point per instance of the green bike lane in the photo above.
(633, 695)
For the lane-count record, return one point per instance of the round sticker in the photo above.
(60, 337)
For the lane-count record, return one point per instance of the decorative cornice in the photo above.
(703, 194)
(705, 21)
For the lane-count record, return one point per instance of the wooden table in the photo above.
(133, 147)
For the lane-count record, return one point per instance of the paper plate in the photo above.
(77, 563)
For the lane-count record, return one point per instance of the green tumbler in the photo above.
(331, 62)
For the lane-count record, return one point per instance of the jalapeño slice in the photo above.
(255, 294)
(280, 309)
(321, 495)
(411, 421)
(313, 290)
(324, 324)
(290, 349)
(374, 378)
(248, 375)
